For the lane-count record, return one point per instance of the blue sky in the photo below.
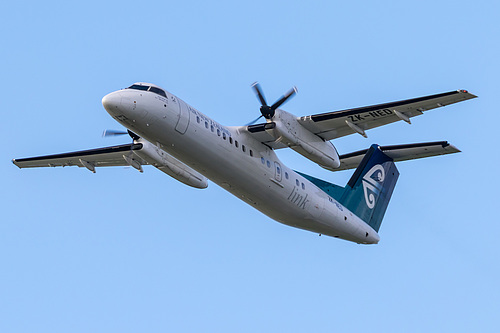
(126, 252)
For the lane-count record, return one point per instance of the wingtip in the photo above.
(464, 91)
(455, 149)
(15, 163)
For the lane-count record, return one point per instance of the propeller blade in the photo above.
(258, 91)
(254, 121)
(108, 132)
(284, 98)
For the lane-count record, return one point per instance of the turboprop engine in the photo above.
(285, 128)
(308, 144)
(144, 152)
(170, 165)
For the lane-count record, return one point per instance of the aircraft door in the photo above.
(183, 122)
(277, 171)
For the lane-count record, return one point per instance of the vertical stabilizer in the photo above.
(369, 190)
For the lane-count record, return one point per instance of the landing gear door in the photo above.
(183, 122)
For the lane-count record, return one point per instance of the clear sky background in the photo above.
(120, 251)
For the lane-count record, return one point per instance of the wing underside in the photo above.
(100, 157)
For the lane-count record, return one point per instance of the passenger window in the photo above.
(243, 148)
(212, 128)
(206, 125)
(198, 119)
(303, 186)
(268, 164)
(230, 140)
(224, 136)
(297, 182)
(218, 132)
(236, 143)
(251, 152)
(286, 175)
(263, 160)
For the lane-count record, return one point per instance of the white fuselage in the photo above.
(233, 159)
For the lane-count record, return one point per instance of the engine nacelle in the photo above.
(304, 142)
(170, 165)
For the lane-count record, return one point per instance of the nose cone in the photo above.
(112, 102)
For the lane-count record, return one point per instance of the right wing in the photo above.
(108, 156)
(336, 124)
(400, 153)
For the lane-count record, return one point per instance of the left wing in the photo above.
(108, 156)
(336, 124)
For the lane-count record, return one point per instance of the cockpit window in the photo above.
(158, 91)
(138, 87)
(148, 88)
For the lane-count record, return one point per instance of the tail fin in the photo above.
(369, 190)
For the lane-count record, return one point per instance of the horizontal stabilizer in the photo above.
(400, 153)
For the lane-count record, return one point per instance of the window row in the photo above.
(224, 136)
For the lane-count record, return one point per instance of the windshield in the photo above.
(138, 87)
(158, 91)
(148, 88)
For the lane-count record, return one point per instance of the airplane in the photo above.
(184, 143)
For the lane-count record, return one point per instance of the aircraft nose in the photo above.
(112, 101)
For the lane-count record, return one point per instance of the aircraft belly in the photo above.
(252, 183)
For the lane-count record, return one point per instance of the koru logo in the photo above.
(372, 184)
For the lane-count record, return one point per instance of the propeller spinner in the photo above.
(266, 110)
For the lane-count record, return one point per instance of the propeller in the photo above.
(108, 133)
(266, 110)
(254, 121)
